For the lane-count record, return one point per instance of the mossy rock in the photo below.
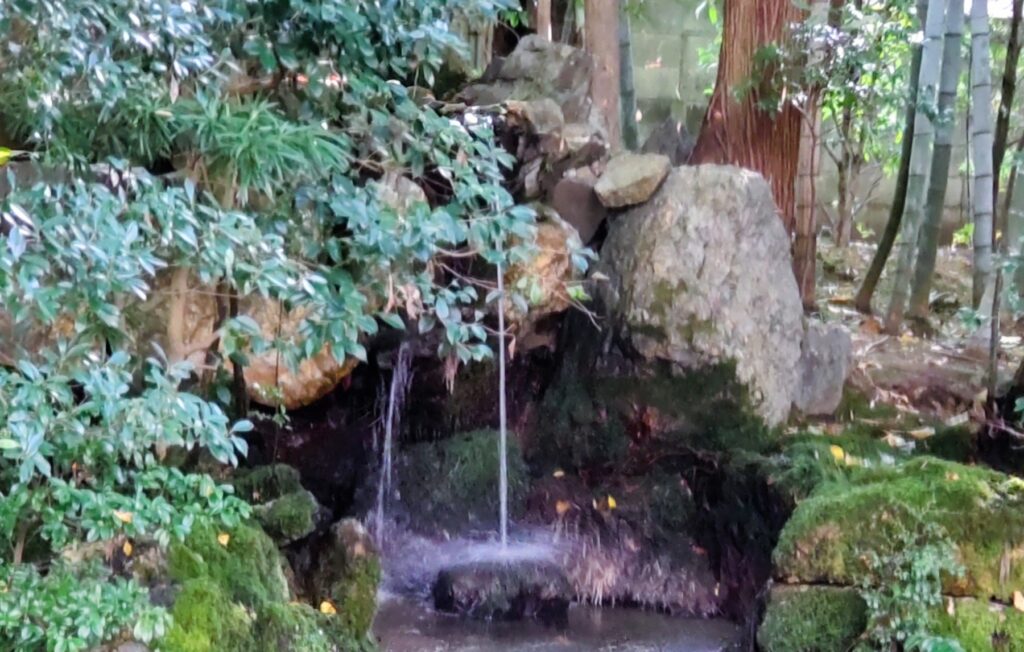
(981, 626)
(348, 577)
(243, 561)
(812, 619)
(830, 534)
(452, 484)
(298, 627)
(263, 484)
(290, 517)
(206, 620)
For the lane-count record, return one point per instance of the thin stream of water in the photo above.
(502, 428)
(400, 377)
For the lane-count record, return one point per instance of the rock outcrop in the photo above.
(502, 589)
(701, 275)
(631, 179)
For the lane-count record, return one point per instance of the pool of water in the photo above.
(409, 625)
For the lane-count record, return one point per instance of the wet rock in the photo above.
(631, 179)
(575, 200)
(672, 139)
(700, 277)
(825, 361)
(265, 483)
(504, 590)
(450, 486)
(539, 69)
(803, 618)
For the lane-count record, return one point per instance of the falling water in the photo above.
(503, 432)
(400, 377)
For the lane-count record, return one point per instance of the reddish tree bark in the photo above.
(737, 130)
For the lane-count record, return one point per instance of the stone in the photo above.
(701, 277)
(631, 179)
(576, 202)
(289, 518)
(825, 361)
(539, 69)
(507, 590)
(348, 576)
(550, 272)
(807, 618)
(672, 139)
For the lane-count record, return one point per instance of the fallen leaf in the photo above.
(950, 607)
(1018, 601)
(223, 539)
(952, 477)
(559, 473)
(922, 433)
(611, 503)
(327, 608)
(124, 517)
(837, 452)
(127, 548)
(871, 326)
(562, 506)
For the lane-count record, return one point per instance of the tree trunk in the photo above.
(1009, 92)
(892, 226)
(844, 170)
(602, 41)
(920, 160)
(928, 239)
(805, 244)
(630, 132)
(737, 131)
(544, 19)
(983, 149)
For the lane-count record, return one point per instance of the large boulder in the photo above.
(701, 276)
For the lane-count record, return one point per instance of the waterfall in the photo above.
(393, 408)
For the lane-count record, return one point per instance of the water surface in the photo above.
(409, 625)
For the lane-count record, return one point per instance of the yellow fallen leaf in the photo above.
(223, 539)
(127, 548)
(562, 506)
(837, 452)
(124, 517)
(327, 608)
(559, 473)
(952, 477)
(5, 156)
(611, 503)
(1018, 601)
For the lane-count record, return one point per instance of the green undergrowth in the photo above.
(812, 619)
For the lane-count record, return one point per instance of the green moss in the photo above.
(348, 576)
(290, 517)
(297, 628)
(265, 483)
(206, 620)
(454, 482)
(980, 511)
(980, 626)
(812, 619)
(248, 568)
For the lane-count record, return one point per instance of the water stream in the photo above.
(395, 402)
(502, 417)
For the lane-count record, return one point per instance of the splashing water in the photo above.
(400, 380)
(502, 428)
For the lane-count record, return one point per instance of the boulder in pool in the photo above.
(506, 590)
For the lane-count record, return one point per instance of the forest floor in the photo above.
(940, 375)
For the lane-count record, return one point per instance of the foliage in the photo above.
(812, 619)
(72, 608)
(903, 585)
(243, 146)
